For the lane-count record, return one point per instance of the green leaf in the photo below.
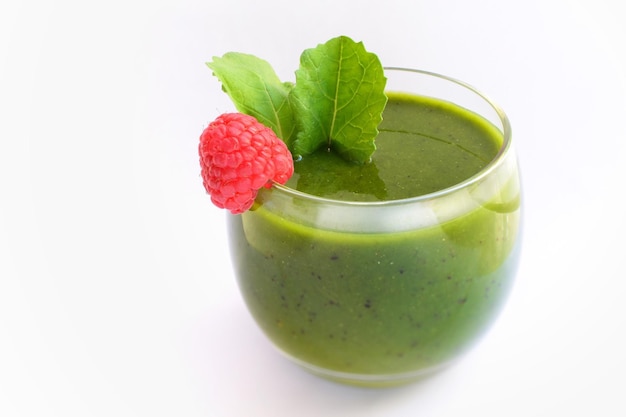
(256, 90)
(338, 99)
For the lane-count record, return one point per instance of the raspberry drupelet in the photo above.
(239, 156)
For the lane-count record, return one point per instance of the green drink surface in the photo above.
(371, 303)
(424, 145)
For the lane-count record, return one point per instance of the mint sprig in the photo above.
(337, 100)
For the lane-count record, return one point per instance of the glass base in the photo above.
(369, 380)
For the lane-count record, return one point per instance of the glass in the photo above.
(386, 292)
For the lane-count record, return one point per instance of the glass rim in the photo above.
(484, 172)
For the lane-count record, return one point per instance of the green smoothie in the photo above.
(375, 302)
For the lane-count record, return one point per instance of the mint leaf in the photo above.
(256, 90)
(338, 99)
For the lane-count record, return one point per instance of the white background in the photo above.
(116, 293)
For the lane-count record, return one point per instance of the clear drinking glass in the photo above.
(386, 292)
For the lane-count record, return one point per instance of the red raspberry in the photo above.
(238, 156)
